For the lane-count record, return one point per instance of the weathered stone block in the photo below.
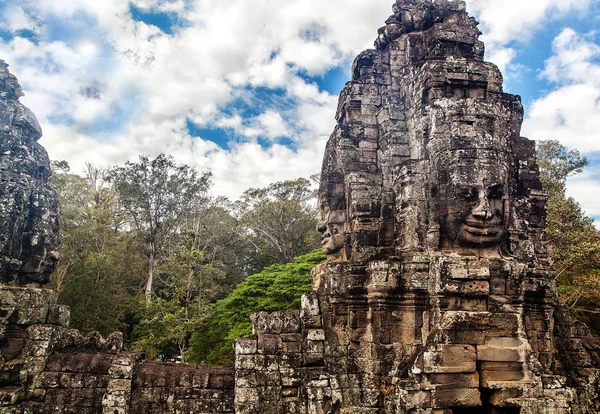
(315, 335)
(450, 359)
(291, 347)
(119, 385)
(247, 362)
(507, 349)
(309, 305)
(465, 397)
(451, 381)
(269, 343)
(246, 347)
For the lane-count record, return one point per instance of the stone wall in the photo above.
(45, 367)
(438, 295)
(178, 388)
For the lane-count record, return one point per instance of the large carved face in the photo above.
(473, 203)
(332, 234)
(12, 88)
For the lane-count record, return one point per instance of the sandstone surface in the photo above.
(29, 213)
(438, 295)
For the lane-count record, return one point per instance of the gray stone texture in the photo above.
(29, 212)
(438, 295)
(45, 367)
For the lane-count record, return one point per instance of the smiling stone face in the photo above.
(333, 235)
(473, 204)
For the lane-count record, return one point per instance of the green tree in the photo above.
(280, 221)
(276, 288)
(156, 193)
(100, 266)
(186, 285)
(557, 163)
(220, 239)
(574, 240)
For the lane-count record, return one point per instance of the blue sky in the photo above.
(249, 89)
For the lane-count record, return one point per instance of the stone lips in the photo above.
(29, 208)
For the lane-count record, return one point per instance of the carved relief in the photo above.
(333, 232)
(473, 203)
(29, 219)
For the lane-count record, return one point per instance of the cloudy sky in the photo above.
(248, 89)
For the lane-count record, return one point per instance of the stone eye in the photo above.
(468, 194)
(496, 192)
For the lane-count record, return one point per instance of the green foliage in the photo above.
(574, 240)
(276, 288)
(164, 326)
(557, 164)
(280, 221)
(220, 239)
(186, 286)
(101, 267)
(150, 227)
(156, 193)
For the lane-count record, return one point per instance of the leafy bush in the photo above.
(276, 288)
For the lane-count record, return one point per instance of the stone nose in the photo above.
(482, 210)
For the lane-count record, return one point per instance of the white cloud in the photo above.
(107, 88)
(585, 189)
(569, 113)
(574, 59)
(516, 20)
(273, 124)
(15, 18)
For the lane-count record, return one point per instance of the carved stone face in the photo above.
(332, 234)
(473, 204)
(12, 88)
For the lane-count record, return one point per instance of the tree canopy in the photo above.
(574, 240)
(203, 248)
(276, 288)
(280, 221)
(156, 193)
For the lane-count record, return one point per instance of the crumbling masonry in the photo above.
(437, 297)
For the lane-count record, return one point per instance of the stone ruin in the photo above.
(29, 213)
(45, 367)
(438, 295)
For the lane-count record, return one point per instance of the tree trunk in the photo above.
(148, 289)
(188, 294)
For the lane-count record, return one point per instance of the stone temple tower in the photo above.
(438, 295)
(29, 218)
